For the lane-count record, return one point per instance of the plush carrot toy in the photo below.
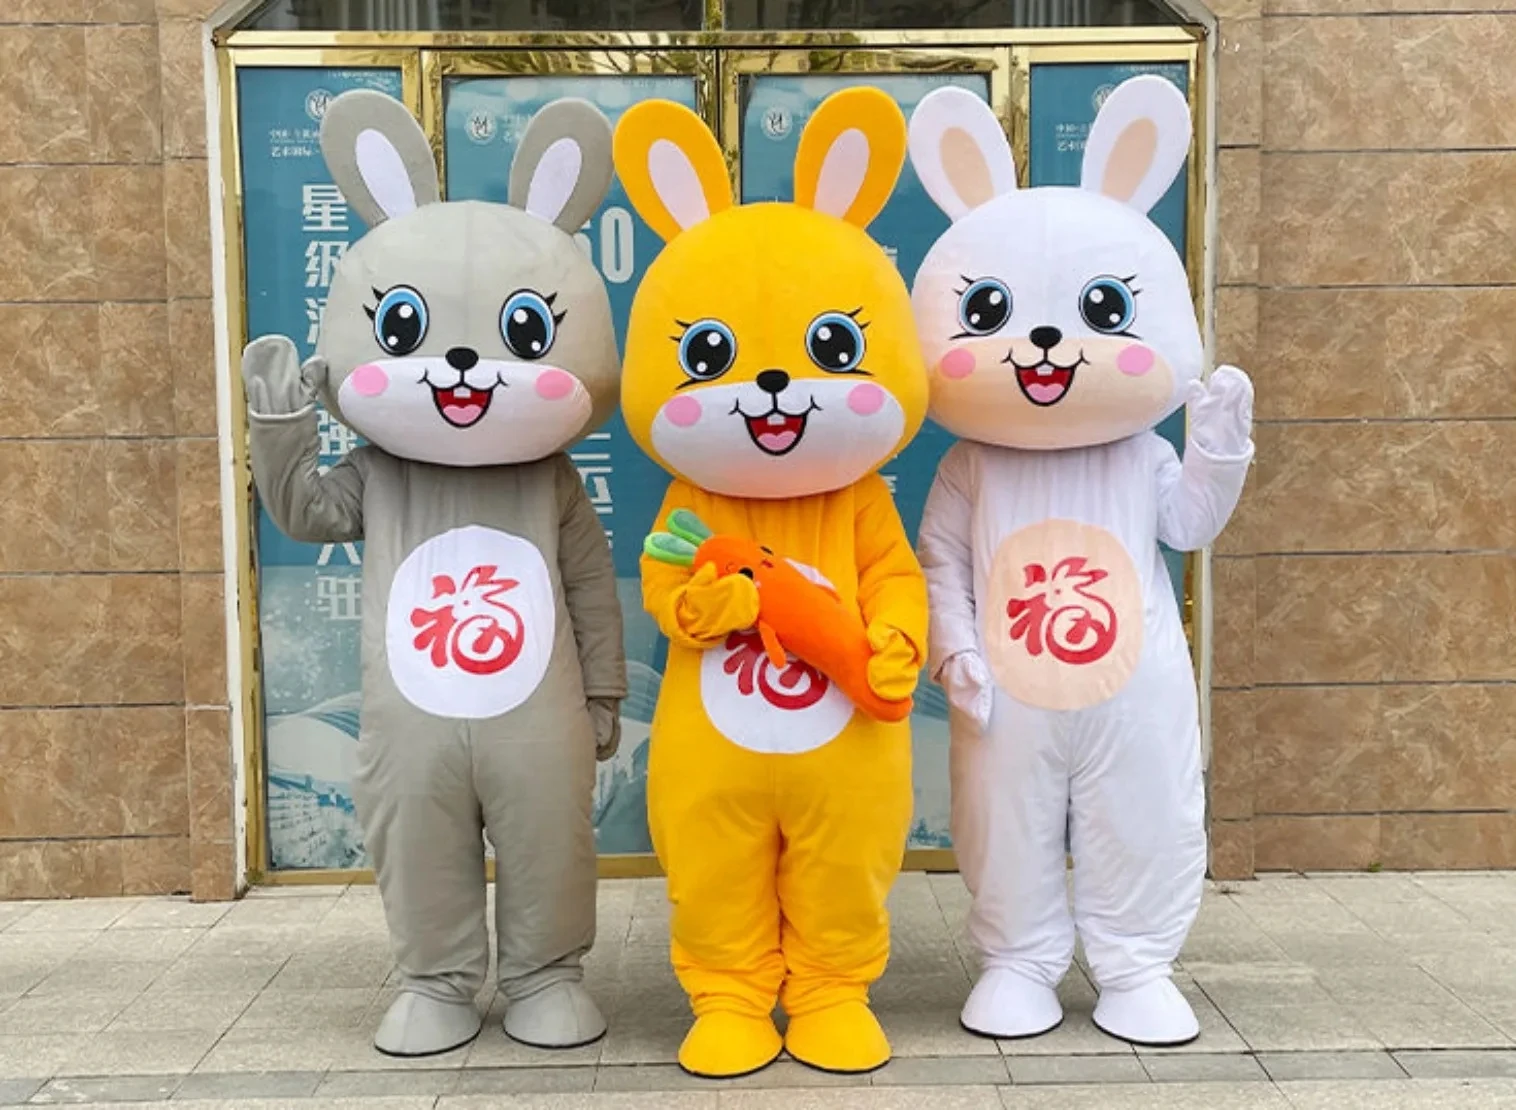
(795, 614)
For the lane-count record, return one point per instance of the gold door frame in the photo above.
(718, 60)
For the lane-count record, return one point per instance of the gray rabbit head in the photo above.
(467, 333)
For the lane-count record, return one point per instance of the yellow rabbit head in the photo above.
(771, 351)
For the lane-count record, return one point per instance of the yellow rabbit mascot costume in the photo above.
(771, 368)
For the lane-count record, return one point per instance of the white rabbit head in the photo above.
(1054, 317)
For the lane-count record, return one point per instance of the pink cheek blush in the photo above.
(957, 364)
(682, 411)
(554, 385)
(866, 400)
(369, 380)
(1135, 360)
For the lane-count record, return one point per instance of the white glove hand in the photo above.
(1221, 413)
(276, 383)
(968, 685)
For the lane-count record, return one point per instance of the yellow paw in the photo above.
(843, 1038)
(724, 1045)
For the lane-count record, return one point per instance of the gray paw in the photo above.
(560, 1016)
(419, 1026)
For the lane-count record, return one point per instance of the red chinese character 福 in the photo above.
(473, 627)
(1061, 613)
(798, 686)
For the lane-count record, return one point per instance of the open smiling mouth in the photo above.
(461, 405)
(1045, 383)
(777, 432)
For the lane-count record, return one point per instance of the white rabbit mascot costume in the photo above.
(469, 343)
(1059, 331)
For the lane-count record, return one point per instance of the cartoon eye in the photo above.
(984, 307)
(1108, 305)
(835, 342)
(400, 320)
(707, 350)
(527, 324)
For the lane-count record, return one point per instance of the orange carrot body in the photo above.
(805, 619)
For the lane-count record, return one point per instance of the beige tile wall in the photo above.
(115, 760)
(1363, 601)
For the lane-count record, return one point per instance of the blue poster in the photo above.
(296, 227)
(483, 121)
(1065, 98)
(777, 108)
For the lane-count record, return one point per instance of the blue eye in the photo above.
(1108, 305)
(527, 324)
(400, 320)
(835, 342)
(707, 350)
(984, 307)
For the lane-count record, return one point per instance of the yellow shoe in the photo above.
(844, 1038)
(724, 1045)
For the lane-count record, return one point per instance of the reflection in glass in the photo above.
(857, 15)
(475, 15)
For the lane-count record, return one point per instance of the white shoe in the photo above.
(416, 1025)
(1154, 1015)
(1009, 1005)
(559, 1016)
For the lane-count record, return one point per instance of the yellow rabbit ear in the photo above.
(670, 166)
(850, 155)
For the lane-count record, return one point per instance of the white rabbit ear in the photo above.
(960, 151)
(378, 155)
(1138, 142)
(562, 168)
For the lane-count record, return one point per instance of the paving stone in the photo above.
(1202, 1067)
(74, 915)
(1305, 1028)
(1403, 1094)
(62, 1013)
(134, 1053)
(17, 1091)
(865, 1098)
(1288, 1066)
(1149, 1096)
(612, 1100)
(254, 1084)
(23, 1057)
(111, 1088)
(172, 913)
(942, 1071)
(379, 1084)
(1077, 1069)
(1458, 1064)
(1406, 1025)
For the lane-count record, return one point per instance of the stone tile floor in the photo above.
(1391, 992)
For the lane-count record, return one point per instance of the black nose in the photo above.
(1046, 338)
(464, 358)
(773, 381)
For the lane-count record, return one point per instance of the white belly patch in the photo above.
(763, 708)
(470, 625)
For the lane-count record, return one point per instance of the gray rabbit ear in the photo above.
(562, 168)
(378, 155)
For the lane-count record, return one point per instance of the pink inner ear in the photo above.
(369, 380)
(1130, 160)
(682, 411)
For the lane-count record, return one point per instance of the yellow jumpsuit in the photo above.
(779, 859)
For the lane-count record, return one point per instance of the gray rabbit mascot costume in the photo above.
(469, 343)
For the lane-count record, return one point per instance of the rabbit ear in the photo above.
(1138, 142)
(670, 166)
(378, 155)
(959, 151)
(850, 155)
(562, 168)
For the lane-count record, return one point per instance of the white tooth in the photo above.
(775, 420)
(462, 391)
(1044, 371)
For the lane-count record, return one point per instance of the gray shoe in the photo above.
(562, 1015)
(420, 1026)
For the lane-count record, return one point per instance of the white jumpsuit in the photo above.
(1046, 564)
